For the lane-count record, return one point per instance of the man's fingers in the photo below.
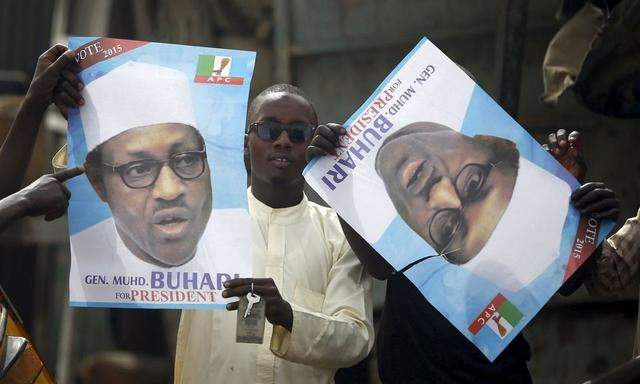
(233, 283)
(323, 143)
(54, 52)
(246, 281)
(63, 97)
(328, 134)
(233, 306)
(237, 291)
(338, 129)
(73, 79)
(62, 62)
(260, 290)
(584, 189)
(67, 174)
(553, 141)
(593, 196)
(612, 214)
(563, 144)
(72, 91)
(575, 140)
(265, 290)
(600, 206)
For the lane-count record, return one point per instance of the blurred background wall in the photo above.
(337, 51)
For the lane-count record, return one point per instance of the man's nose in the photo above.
(168, 185)
(283, 141)
(443, 195)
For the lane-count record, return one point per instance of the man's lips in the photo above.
(280, 159)
(172, 222)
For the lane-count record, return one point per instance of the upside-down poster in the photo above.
(453, 193)
(160, 219)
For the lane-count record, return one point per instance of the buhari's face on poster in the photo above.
(150, 167)
(451, 189)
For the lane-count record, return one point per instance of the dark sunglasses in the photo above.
(271, 130)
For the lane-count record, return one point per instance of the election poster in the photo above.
(456, 195)
(160, 218)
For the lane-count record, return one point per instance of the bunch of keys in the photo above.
(250, 319)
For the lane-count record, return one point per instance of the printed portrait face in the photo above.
(156, 181)
(451, 189)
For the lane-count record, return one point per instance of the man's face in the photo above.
(279, 161)
(160, 223)
(444, 187)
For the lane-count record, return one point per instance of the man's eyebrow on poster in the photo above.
(591, 198)
(47, 195)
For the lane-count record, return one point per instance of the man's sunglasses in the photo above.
(144, 173)
(271, 130)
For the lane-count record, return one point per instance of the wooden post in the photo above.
(510, 39)
(281, 42)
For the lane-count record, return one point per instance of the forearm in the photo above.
(321, 340)
(373, 262)
(12, 209)
(336, 331)
(356, 242)
(18, 145)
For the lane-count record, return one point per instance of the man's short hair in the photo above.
(284, 88)
(93, 162)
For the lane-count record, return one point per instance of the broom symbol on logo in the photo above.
(223, 63)
(501, 329)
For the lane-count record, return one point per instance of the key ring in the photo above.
(252, 288)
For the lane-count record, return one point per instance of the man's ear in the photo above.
(247, 156)
(502, 149)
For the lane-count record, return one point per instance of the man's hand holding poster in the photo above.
(160, 220)
(453, 193)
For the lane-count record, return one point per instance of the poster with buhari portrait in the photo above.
(160, 218)
(458, 197)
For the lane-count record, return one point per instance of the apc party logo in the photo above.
(501, 316)
(216, 70)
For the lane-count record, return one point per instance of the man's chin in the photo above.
(171, 253)
(172, 259)
(460, 258)
(285, 179)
